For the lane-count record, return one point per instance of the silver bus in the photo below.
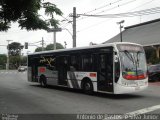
(115, 68)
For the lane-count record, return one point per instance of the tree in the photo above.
(24, 60)
(3, 61)
(25, 12)
(14, 61)
(51, 46)
(15, 49)
(50, 10)
(38, 49)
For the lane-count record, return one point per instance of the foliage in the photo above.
(15, 49)
(50, 10)
(39, 49)
(14, 61)
(25, 12)
(50, 47)
(151, 56)
(3, 61)
(24, 60)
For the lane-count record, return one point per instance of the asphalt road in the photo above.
(18, 96)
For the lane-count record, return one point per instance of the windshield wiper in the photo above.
(129, 56)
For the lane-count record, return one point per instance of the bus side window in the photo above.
(74, 63)
(87, 63)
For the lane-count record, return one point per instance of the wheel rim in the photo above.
(87, 87)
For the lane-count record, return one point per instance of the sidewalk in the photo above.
(154, 83)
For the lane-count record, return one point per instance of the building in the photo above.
(146, 34)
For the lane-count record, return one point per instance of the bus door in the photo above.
(34, 69)
(62, 67)
(105, 71)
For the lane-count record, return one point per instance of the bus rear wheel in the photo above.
(87, 87)
(43, 81)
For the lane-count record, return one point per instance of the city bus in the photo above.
(115, 68)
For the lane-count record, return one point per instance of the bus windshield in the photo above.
(133, 65)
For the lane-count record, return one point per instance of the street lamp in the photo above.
(68, 32)
(7, 66)
(120, 27)
(65, 44)
(54, 30)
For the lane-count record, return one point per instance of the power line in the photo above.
(142, 5)
(67, 21)
(65, 25)
(128, 14)
(36, 42)
(91, 26)
(110, 9)
(109, 4)
(116, 7)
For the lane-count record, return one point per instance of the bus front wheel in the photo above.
(87, 87)
(43, 81)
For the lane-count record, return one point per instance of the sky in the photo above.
(89, 29)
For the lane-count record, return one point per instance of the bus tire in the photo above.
(87, 87)
(43, 81)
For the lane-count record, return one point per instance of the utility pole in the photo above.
(120, 27)
(74, 26)
(42, 44)
(74, 15)
(54, 40)
(7, 65)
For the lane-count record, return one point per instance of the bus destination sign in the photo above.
(129, 47)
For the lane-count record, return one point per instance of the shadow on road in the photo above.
(118, 96)
(96, 94)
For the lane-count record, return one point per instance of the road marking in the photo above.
(143, 111)
(134, 113)
(140, 112)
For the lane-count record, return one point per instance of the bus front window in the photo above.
(133, 65)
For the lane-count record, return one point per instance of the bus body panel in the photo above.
(133, 83)
(75, 79)
(129, 86)
(29, 74)
(51, 76)
(121, 89)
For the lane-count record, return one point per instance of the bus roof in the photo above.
(82, 48)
